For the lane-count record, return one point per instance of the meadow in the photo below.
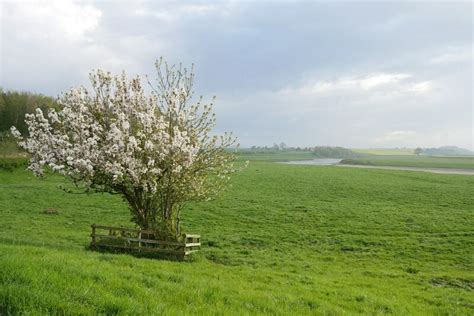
(274, 155)
(284, 239)
(454, 162)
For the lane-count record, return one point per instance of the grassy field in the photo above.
(283, 239)
(385, 151)
(414, 161)
(277, 155)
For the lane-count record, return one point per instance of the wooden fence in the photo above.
(141, 241)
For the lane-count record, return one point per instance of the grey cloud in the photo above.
(259, 57)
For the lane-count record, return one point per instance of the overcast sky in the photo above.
(359, 75)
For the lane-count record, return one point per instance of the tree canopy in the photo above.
(14, 105)
(154, 148)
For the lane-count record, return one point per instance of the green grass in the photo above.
(12, 163)
(385, 151)
(284, 239)
(277, 155)
(9, 149)
(414, 161)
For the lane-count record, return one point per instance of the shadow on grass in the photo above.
(104, 249)
(141, 254)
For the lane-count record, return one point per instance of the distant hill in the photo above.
(335, 152)
(448, 151)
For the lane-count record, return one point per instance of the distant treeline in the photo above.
(317, 151)
(335, 152)
(444, 151)
(14, 105)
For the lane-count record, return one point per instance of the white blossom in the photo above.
(154, 149)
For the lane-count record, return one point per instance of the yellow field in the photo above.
(385, 151)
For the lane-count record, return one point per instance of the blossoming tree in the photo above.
(154, 149)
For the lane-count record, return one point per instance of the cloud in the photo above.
(50, 46)
(366, 90)
(405, 108)
(373, 81)
(421, 87)
(434, 138)
(47, 19)
(454, 55)
(304, 73)
(173, 11)
(396, 136)
(365, 83)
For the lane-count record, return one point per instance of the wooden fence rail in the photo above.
(141, 241)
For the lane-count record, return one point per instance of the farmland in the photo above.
(413, 161)
(384, 151)
(283, 239)
(276, 155)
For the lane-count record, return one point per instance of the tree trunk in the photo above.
(169, 223)
(163, 218)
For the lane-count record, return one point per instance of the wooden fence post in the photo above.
(139, 239)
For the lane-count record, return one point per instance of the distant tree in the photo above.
(447, 150)
(275, 146)
(2, 101)
(282, 146)
(14, 105)
(154, 149)
(418, 151)
(333, 152)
